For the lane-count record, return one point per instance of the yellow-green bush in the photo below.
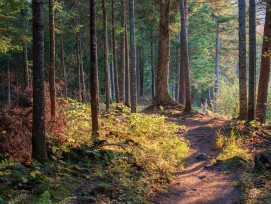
(141, 151)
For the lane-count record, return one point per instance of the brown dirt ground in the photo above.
(201, 182)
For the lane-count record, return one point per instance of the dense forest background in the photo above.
(212, 37)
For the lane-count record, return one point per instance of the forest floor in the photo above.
(201, 181)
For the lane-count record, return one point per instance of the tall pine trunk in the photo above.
(152, 67)
(217, 46)
(252, 60)
(162, 96)
(52, 59)
(142, 70)
(93, 68)
(38, 128)
(182, 93)
(107, 77)
(133, 56)
(62, 56)
(123, 62)
(265, 68)
(127, 70)
(115, 54)
(25, 51)
(184, 56)
(242, 61)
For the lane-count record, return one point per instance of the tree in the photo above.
(182, 93)
(133, 80)
(127, 70)
(25, 51)
(252, 60)
(38, 129)
(115, 54)
(107, 77)
(93, 68)
(52, 59)
(184, 57)
(123, 62)
(162, 96)
(217, 72)
(242, 61)
(265, 68)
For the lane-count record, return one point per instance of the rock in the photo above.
(202, 177)
(262, 161)
(202, 156)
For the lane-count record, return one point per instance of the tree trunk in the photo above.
(242, 61)
(82, 72)
(107, 77)
(252, 60)
(93, 68)
(138, 64)
(216, 67)
(115, 55)
(127, 71)
(25, 59)
(133, 56)
(162, 96)
(152, 67)
(265, 68)
(112, 71)
(182, 93)
(52, 59)
(63, 66)
(142, 72)
(177, 73)
(123, 62)
(78, 67)
(25, 53)
(184, 56)
(38, 128)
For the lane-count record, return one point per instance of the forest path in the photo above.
(201, 182)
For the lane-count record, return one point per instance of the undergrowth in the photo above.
(230, 142)
(137, 153)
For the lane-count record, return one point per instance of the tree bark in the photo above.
(265, 68)
(115, 54)
(38, 128)
(93, 69)
(182, 93)
(123, 62)
(127, 70)
(132, 57)
(78, 67)
(62, 56)
(162, 96)
(216, 67)
(152, 67)
(252, 60)
(142, 72)
(107, 77)
(25, 59)
(242, 61)
(25, 53)
(82, 72)
(52, 59)
(184, 56)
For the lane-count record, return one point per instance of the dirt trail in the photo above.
(200, 182)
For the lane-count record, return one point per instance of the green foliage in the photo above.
(148, 153)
